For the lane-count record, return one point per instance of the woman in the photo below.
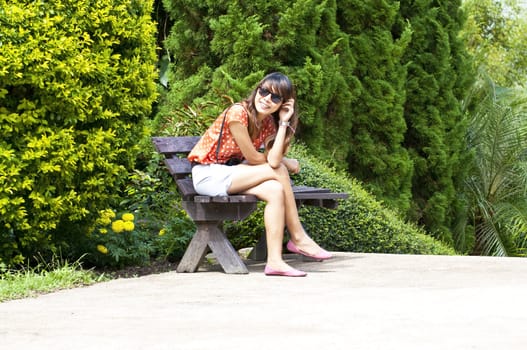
(268, 117)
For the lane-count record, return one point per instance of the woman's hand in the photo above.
(292, 165)
(286, 110)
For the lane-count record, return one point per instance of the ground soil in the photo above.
(136, 271)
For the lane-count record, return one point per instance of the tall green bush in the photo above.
(76, 81)
(495, 189)
(223, 48)
(377, 155)
(380, 85)
(439, 76)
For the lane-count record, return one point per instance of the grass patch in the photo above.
(44, 278)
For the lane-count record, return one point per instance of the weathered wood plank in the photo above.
(320, 195)
(259, 252)
(309, 189)
(218, 211)
(224, 252)
(196, 251)
(209, 235)
(175, 145)
(186, 188)
(178, 167)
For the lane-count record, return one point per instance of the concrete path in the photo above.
(354, 301)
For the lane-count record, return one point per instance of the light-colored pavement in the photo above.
(354, 301)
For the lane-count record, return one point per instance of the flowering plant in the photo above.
(149, 224)
(117, 242)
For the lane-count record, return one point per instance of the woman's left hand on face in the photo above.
(293, 166)
(286, 110)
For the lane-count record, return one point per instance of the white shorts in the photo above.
(212, 179)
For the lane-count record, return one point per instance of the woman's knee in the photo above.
(281, 172)
(272, 190)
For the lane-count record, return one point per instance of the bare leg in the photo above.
(248, 177)
(271, 191)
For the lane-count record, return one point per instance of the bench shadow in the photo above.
(297, 261)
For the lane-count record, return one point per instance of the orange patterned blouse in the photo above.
(205, 150)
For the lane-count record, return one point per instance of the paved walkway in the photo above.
(354, 301)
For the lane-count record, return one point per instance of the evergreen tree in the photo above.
(223, 48)
(379, 85)
(377, 155)
(438, 78)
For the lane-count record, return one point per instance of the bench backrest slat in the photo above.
(175, 145)
(178, 167)
(234, 198)
(186, 188)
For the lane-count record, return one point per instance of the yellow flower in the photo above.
(105, 221)
(128, 226)
(103, 231)
(108, 213)
(162, 231)
(102, 249)
(118, 226)
(128, 217)
(105, 217)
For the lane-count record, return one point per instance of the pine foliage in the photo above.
(380, 84)
(223, 48)
(377, 155)
(438, 77)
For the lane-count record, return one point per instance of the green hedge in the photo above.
(77, 78)
(359, 224)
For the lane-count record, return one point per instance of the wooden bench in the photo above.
(209, 213)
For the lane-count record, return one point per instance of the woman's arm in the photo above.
(252, 156)
(276, 154)
(243, 140)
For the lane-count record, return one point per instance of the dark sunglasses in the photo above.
(274, 97)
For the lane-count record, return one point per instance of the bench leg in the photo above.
(196, 251)
(208, 234)
(259, 252)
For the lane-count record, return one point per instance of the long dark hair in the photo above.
(279, 84)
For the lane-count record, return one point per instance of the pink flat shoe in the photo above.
(320, 256)
(289, 273)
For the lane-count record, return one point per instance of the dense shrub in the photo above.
(76, 80)
(359, 224)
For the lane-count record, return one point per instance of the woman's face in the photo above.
(266, 100)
